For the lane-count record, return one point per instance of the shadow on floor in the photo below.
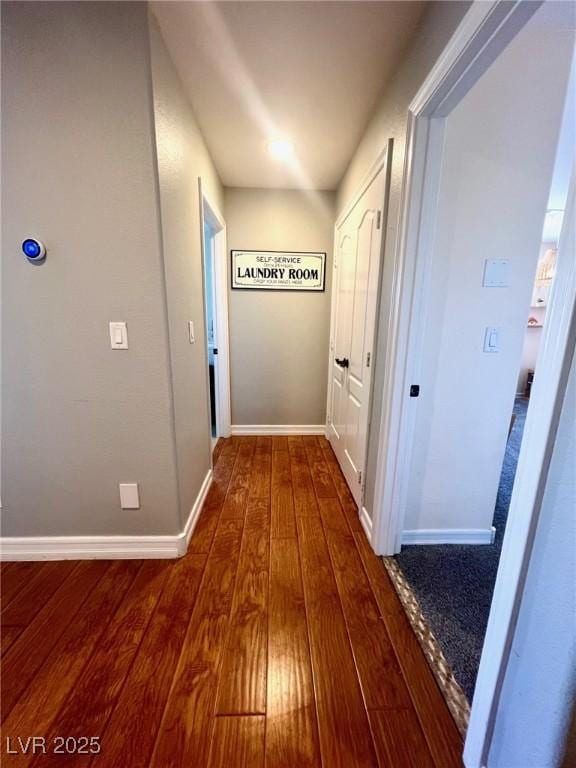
(454, 583)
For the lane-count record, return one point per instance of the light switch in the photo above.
(129, 496)
(118, 336)
(191, 333)
(496, 273)
(492, 340)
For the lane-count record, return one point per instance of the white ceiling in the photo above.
(309, 71)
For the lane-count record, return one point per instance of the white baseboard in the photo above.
(366, 522)
(105, 547)
(186, 534)
(278, 429)
(450, 536)
(88, 547)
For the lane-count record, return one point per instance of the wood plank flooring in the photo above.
(277, 641)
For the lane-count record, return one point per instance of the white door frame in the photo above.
(209, 213)
(484, 32)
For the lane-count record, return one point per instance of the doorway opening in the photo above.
(454, 582)
(216, 318)
(438, 342)
(211, 338)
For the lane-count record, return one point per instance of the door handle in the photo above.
(343, 363)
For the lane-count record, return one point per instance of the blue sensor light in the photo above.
(33, 249)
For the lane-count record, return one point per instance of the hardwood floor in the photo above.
(277, 641)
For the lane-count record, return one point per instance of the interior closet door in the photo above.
(356, 287)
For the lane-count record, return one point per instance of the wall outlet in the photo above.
(129, 496)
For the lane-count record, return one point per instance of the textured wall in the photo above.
(182, 158)
(279, 340)
(78, 417)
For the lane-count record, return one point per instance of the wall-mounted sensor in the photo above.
(34, 250)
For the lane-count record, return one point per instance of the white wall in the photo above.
(496, 171)
(182, 157)
(539, 689)
(279, 340)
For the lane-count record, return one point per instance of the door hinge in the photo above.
(378, 219)
(359, 478)
(368, 358)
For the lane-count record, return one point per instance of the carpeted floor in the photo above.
(454, 583)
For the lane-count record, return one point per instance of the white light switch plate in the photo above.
(492, 339)
(118, 335)
(129, 496)
(496, 273)
(191, 333)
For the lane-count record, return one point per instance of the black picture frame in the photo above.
(272, 288)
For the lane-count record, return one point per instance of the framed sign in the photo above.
(278, 271)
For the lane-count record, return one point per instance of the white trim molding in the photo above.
(88, 547)
(278, 429)
(105, 547)
(450, 536)
(366, 522)
(195, 511)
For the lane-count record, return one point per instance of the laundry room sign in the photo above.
(278, 270)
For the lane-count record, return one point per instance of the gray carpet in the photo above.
(454, 583)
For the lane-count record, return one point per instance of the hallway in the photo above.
(277, 640)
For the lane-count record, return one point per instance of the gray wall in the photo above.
(87, 177)
(437, 25)
(279, 340)
(79, 417)
(539, 690)
(182, 158)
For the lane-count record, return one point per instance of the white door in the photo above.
(356, 282)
